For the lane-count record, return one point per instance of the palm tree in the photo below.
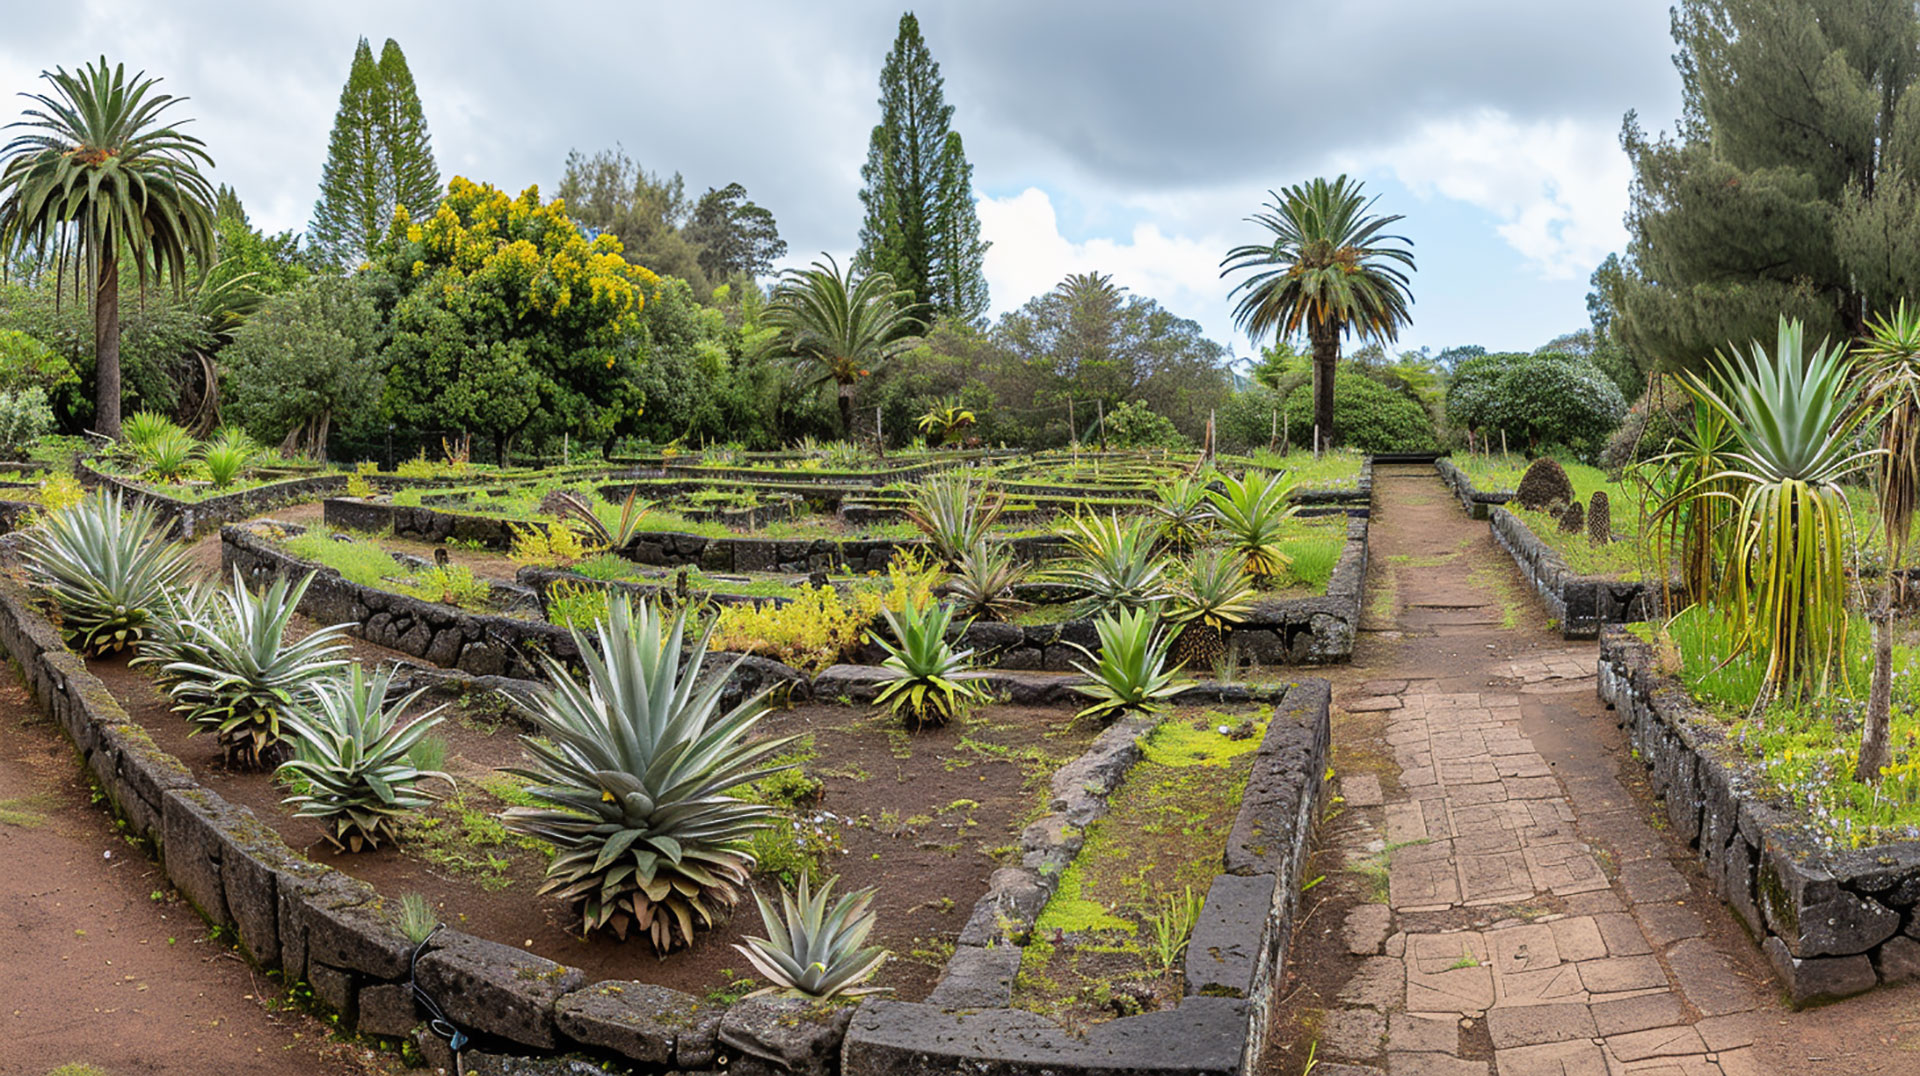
(96, 176)
(841, 328)
(1887, 369)
(1329, 270)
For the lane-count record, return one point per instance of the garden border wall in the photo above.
(1476, 502)
(190, 519)
(319, 925)
(1832, 922)
(1235, 959)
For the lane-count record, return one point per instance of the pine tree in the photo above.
(378, 157)
(921, 225)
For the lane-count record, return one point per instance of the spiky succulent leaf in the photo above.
(954, 513)
(1213, 590)
(352, 752)
(926, 677)
(108, 567)
(243, 675)
(634, 772)
(982, 582)
(1115, 563)
(815, 948)
(1251, 513)
(1131, 670)
(1182, 512)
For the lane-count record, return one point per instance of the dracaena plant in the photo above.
(1251, 514)
(109, 568)
(983, 582)
(1793, 416)
(354, 756)
(926, 677)
(633, 774)
(815, 948)
(242, 674)
(954, 512)
(1115, 563)
(1130, 672)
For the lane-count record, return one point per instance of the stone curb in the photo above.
(1833, 922)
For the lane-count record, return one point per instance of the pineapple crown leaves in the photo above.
(639, 753)
(924, 672)
(1130, 672)
(813, 948)
(1214, 590)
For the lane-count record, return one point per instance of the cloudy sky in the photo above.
(1125, 137)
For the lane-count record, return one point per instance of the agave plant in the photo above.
(982, 583)
(1794, 419)
(1131, 671)
(924, 673)
(954, 513)
(109, 569)
(813, 949)
(242, 675)
(171, 637)
(1114, 563)
(1183, 513)
(633, 773)
(1212, 595)
(352, 752)
(1252, 514)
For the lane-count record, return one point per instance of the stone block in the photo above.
(1820, 978)
(511, 993)
(977, 978)
(191, 844)
(333, 988)
(1202, 1037)
(648, 1024)
(1225, 951)
(794, 1036)
(1897, 960)
(385, 1009)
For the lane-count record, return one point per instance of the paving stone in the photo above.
(1339, 1069)
(1742, 1062)
(1383, 687)
(1561, 984)
(1432, 954)
(1524, 948)
(1374, 705)
(1353, 1034)
(1494, 878)
(1530, 1025)
(1414, 884)
(1461, 990)
(1564, 869)
(1665, 924)
(1617, 973)
(1652, 881)
(1599, 902)
(1553, 1059)
(1577, 939)
(1405, 822)
(1622, 935)
(1656, 1042)
(1726, 1032)
(1707, 979)
(1637, 1014)
(1433, 1065)
(1379, 984)
(1361, 790)
(1414, 1033)
(1366, 928)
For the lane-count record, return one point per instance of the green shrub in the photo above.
(1366, 415)
(1540, 400)
(25, 417)
(1135, 425)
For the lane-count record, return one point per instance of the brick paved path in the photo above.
(1534, 923)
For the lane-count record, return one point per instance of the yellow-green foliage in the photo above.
(452, 585)
(358, 486)
(576, 605)
(546, 547)
(60, 491)
(811, 632)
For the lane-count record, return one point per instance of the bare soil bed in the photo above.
(924, 816)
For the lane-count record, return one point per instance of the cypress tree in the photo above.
(921, 226)
(378, 157)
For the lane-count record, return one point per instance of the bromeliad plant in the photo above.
(1252, 514)
(1212, 595)
(1696, 502)
(240, 675)
(1114, 563)
(633, 772)
(926, 677)
(1794, 418)
(947, 420)
(353, 754)
(954, 513)
(982, 583)
(228, 456)
(109, 568)
(813, 949)
(1131, 671)
(1183, 512)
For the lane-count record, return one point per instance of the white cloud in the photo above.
(1029, 256)
(1559, 187)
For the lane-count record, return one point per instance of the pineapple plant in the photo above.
(1131, 670)
(1214, 594)
(953, 513)
(1599, 518)
(633, 773)
(811, 949)
(1115, 564)
(239, 675)
(353, 754)
(108, 568)
(982, 582)
(1250, 514)
(926, 677)
(1182, 512)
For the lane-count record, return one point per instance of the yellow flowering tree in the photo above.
(506, 318)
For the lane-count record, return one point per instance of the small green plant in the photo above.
(1182, 513)
(1212, 595)
(575, 605)
(452, 584)
(1115, 563)
(954, 513)
(1171, 926)
(417, 920)
(169, 457)
(358, 486)
(109, 568)
(926, 678)
(982, 583)
(355, 758)
(1131, 671)
(1252, 514)
(59, 492)
(228, 455)
(813, 949)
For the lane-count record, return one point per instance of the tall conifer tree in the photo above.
(921, 226)
(378, 157)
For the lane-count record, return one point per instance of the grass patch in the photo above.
(28, 812)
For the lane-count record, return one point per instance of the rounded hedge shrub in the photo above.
(1543, 400)
(1367, 415)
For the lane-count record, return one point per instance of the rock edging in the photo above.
(1832, 922)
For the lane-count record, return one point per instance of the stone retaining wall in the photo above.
(190, 519)
(1582, 603)
(1476, 502)
(1235, 958)
(1832, 922)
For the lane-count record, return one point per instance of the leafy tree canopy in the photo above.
(734, 236)
(1541, 400)
(609, 193)
(379, 159)
(306, 359)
